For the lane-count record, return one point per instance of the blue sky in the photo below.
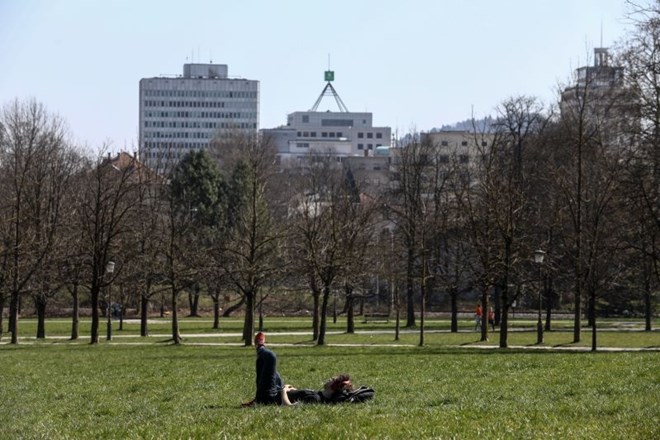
(415, 64)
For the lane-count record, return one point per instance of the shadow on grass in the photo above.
(224, 407)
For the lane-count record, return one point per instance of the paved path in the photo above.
(139, 341)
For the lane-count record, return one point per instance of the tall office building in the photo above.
(185, 113)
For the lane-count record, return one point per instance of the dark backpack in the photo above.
(304, 396)
(360, 395)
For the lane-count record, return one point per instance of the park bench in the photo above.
(376, 317)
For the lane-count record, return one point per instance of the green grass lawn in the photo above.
(612, 332)
(62, 389)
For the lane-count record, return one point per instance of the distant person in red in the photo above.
(477, 318)
(491, 318)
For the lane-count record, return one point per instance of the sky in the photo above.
(415, 64)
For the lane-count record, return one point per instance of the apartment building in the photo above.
(185, 113)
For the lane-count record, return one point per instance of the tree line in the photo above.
(578, 180)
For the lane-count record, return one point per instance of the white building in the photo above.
(460, 146)
(340, 133)
(184, 113)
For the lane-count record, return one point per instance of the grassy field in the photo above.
(147, 388)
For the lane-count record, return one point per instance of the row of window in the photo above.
(360, 146)
(332, 122)
(179, 135)
(195, 134)
(198, 115)
(151, 148)
(200, 104)
(339, 134)
(370, 135)
(369, 146)
(324, 134)
(463, 143)
(200, 94)
(197, 124)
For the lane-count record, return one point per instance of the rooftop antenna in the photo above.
(601, 32)
(329, 76)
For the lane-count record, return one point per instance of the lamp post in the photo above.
(109, 268)
(539, 255)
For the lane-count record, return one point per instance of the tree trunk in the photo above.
(578, 250)
(75, 314)
(592, 312)
(410, 290)
(324, 311)
(248, 324)
(95, 314)
(648, 310)
(334, 307)
(316, 294)
(397, 326)
(261, 314)
(216, 311)
(497, 298)
(453, 294)
(504, 324)
(549, 304)
(193, 301)
(484, 315)
(40, 307)
(121, 315)
(176, 337)
(422, 307)
(144, 315)
(2, 310)
(229, 310)
(350, 311)
(590, 308)
(13, 317)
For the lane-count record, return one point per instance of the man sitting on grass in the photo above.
(270, 389)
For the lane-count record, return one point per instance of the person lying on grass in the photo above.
(335, 390)
(338, 389)
(271, 390)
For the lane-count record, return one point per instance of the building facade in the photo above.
(338, 133)
(602, 100)
(185, 113)
(460, 146)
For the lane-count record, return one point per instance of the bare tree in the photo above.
(640, 55)
(253, 239)
(308, 220)
(32, 149)
(405, 208)
(592, 112)
(108, 201)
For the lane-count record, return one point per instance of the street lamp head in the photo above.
(110, 266)
(539, 255)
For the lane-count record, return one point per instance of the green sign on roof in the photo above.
(329, 75)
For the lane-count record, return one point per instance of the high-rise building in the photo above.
(602, 100)
(338, 133)
(184, 113)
